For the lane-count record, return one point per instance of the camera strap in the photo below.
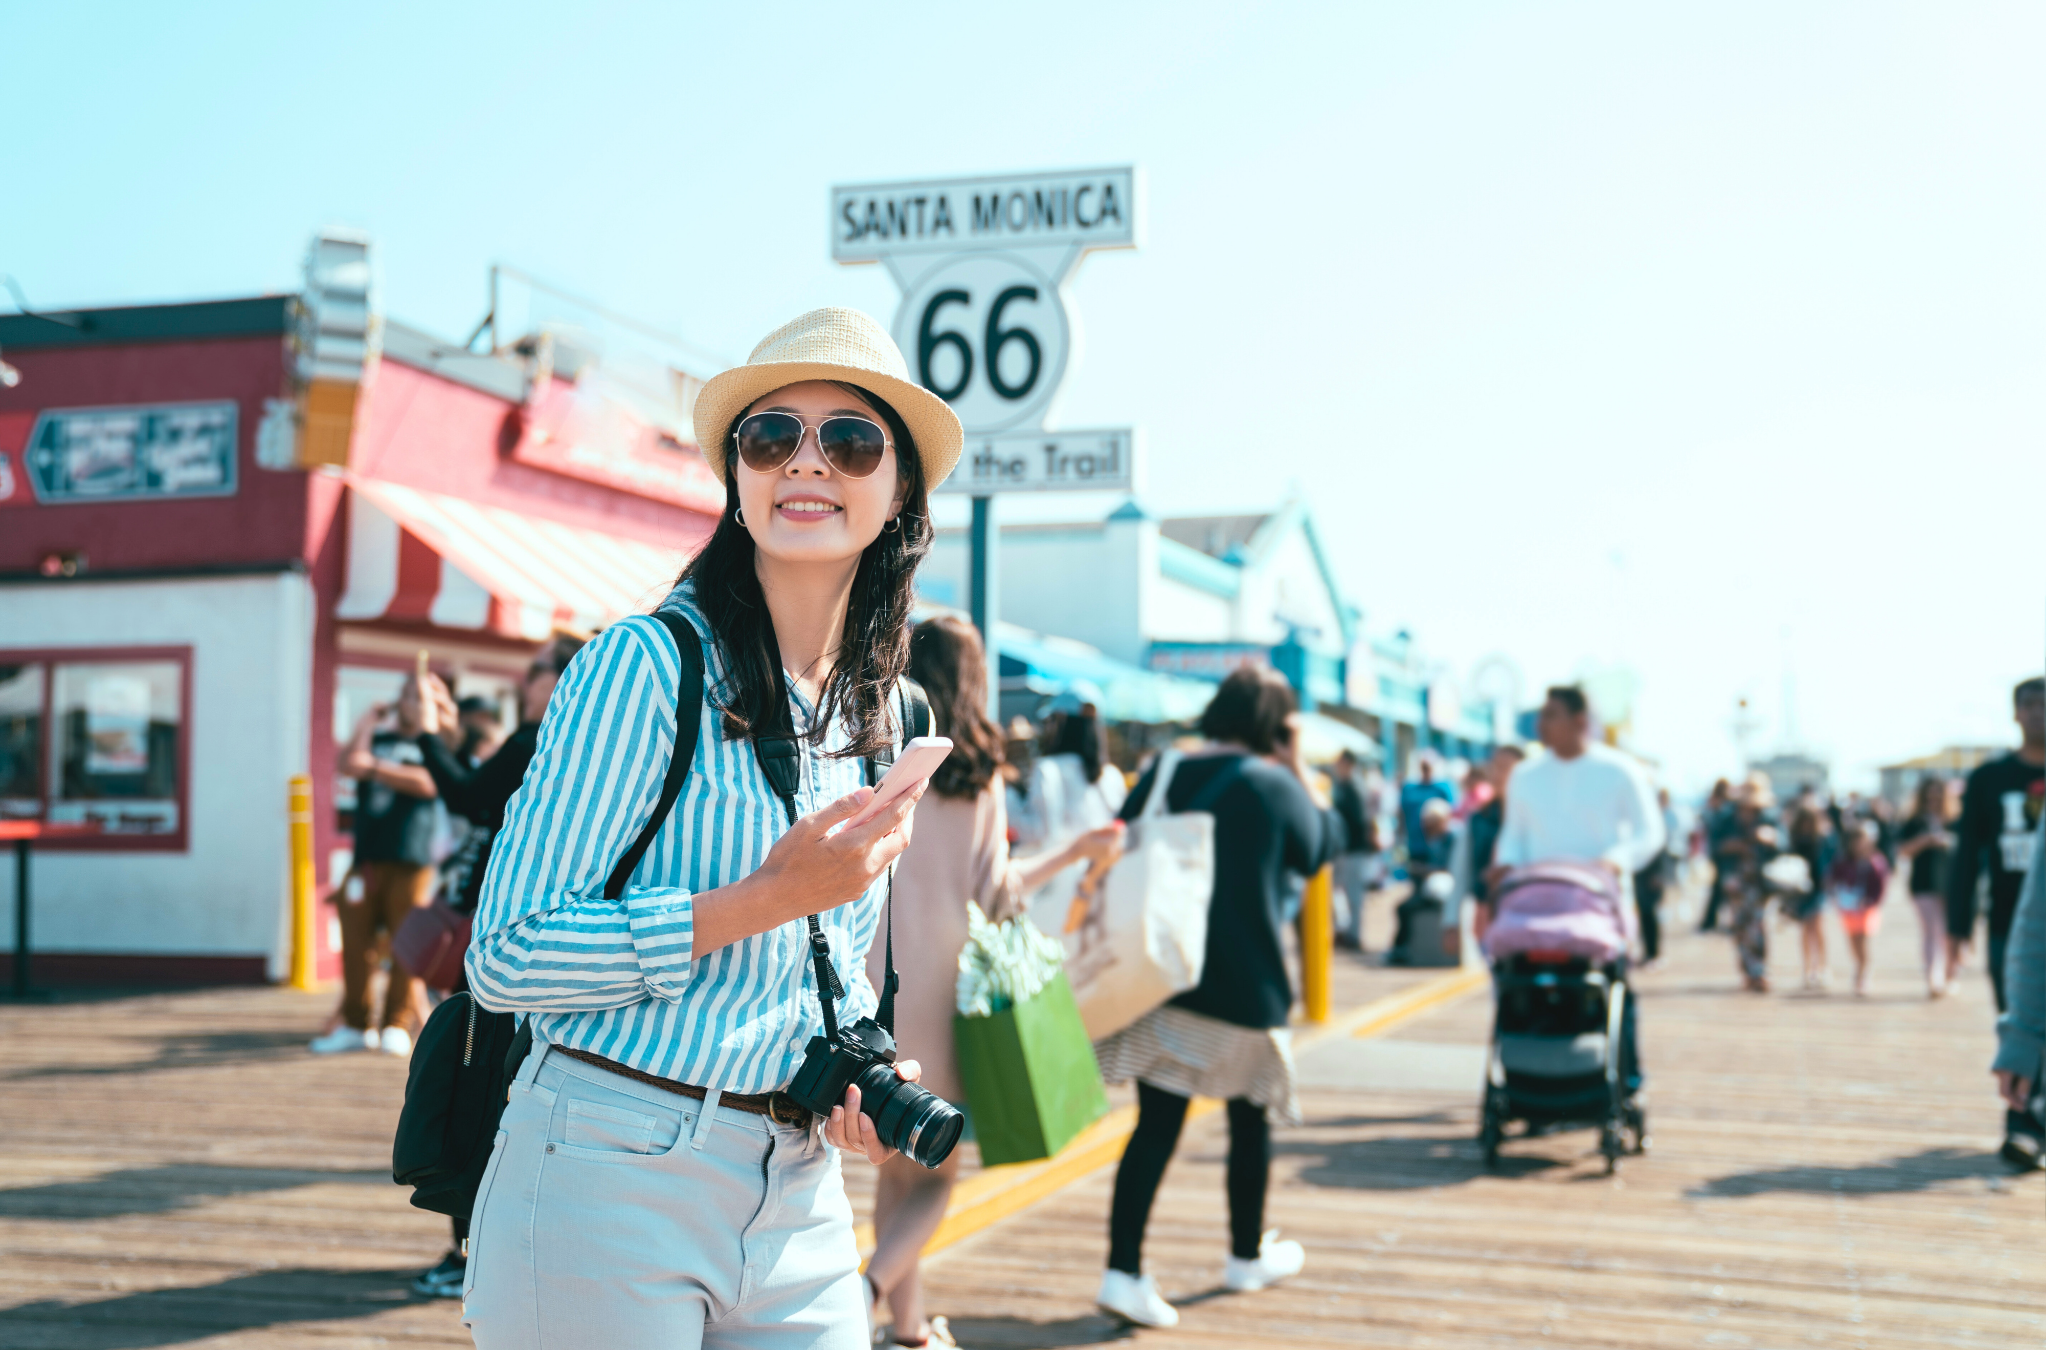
(781, 763)
(913, 719)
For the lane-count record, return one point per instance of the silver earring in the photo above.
(739, 517)
(892, 524)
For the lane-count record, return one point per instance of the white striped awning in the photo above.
(424, 557)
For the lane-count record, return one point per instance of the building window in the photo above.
(97, 736)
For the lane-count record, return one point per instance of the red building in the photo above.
(225, 532)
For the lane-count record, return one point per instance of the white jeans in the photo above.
(1351, 882)
(615, 1215)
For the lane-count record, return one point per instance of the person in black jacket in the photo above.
(478, 793)
(1226, 1037)
(1347, 798)
(2001, 808)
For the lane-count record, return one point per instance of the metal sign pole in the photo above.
(982, 595)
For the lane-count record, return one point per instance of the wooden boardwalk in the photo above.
(178, 1171)
(1822, 1174)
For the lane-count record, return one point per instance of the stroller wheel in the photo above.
(1489, 1130)
(1611, 1146)
(1639, 1129)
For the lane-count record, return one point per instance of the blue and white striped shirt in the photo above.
(619, 977)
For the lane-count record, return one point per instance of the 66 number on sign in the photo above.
(987, 333)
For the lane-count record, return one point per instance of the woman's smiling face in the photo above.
(807, 511)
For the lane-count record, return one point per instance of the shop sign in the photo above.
(136, 453)
(1045, 461)
(1205, 660)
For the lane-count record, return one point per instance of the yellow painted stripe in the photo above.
(990, 1196)
(1386, 1013)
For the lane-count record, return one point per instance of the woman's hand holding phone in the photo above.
(829, 865)
(827, 858)
(809, 870)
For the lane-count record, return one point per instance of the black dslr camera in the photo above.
(908, 1119)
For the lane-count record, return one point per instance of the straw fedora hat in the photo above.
(829, 344)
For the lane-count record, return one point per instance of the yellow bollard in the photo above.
(1318, 938)
(304, 974)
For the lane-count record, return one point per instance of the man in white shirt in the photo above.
(1582, 802)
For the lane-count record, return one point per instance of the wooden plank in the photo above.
(179, 1170)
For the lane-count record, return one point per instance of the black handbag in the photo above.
(467, 1056)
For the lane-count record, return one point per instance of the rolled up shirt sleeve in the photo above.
(545, 937)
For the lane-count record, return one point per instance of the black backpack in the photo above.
(467, 1056)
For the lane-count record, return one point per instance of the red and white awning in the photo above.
(428, 558)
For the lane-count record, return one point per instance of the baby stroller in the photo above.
(1563, 1047)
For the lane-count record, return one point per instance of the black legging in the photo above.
(1160, 1114)
(1649, 894)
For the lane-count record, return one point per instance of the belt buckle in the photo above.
(785, 1110)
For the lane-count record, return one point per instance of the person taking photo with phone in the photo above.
(390, 875)
(654, 1181)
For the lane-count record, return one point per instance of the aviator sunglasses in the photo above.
(853, 446)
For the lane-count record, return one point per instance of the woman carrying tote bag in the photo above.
(961, 856)
(652, 1183)
(1226, 1037)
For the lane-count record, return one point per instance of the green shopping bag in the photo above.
(1023, 1051)
(1030, 1076)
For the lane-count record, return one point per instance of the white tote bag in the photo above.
(1137, 938)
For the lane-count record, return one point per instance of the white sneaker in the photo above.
(1135, 1299)
(343, 1039)
(1277, 1260)
(396, 1041)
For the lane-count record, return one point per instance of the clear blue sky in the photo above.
(1703, 339)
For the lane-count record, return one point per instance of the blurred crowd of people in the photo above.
(1819, 852)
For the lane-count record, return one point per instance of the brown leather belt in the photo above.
(779, 1107)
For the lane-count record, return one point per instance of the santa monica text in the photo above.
(1091, 209)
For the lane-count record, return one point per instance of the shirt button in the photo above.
(796, 1045)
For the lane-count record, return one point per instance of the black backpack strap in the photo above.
(916, 709)
(689, 720)
(913, 719)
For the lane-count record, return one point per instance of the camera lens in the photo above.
(917, 1124)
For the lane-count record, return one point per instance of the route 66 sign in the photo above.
(983, 264)
(988, 333)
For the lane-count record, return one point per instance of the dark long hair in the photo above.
(874, 647)
(1251, 708)
(947, 658)
(1080, 732)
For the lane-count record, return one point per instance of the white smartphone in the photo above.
(921, 758)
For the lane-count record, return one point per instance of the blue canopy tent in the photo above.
(1040, 666)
